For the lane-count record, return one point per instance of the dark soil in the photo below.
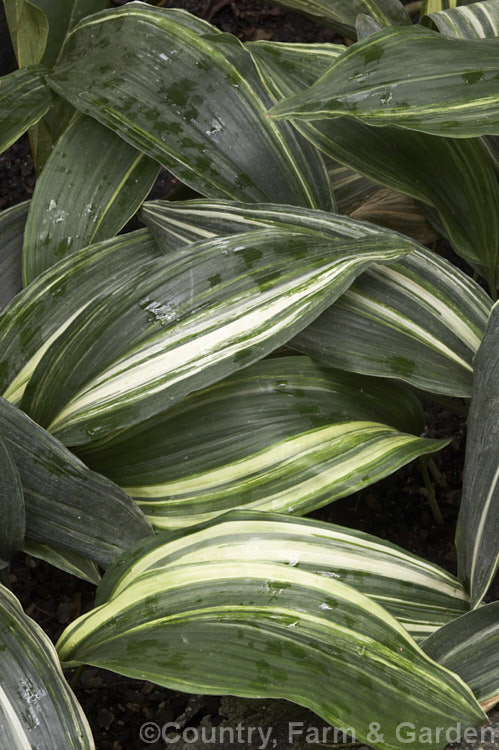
(395, 509)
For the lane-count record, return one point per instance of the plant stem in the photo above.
(76, 677)
(437, 474)
(437, 513)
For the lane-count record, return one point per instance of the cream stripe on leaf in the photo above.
(35, 318)
(37, 706)
(454, 175)
(469, 646)
(250, 410)
(271, 630)
(182, 322)
(196, 109)
(475, 21)
(418, 593)
(419, 319)
(441, 86)
(294, 475)
(91, 185)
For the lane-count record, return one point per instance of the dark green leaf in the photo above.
(64, 559)
(12, 503)
(469, 646)
(91, 185)
(24, 99)
(390, 79)
(37, 707)
(12, 223)
(29, 28)
(269, 629)
(196, 108)
(477, 534)
(456, 176)
(68, 505)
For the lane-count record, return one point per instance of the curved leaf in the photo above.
(379, 80)
(420, 319)
(295, 475)
(474, 21)
(268, 401)
(422, 596)
(37, 706)
(185, 321)
(342, 14)
(456, 176)
(91, 185)
(469, 646)
(477, 535)
(68, 505)
(197, 109)
(64, 559)
(24, 99)
(29, 28)
(12, 223)
(12, 503)
(46, 307)
(274, 436)
(271, 630)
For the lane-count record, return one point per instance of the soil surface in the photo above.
(395, 509)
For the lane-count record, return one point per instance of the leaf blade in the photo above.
(463, 101)
(37, 705)
(478, 521)
(91, 185)
(261, 652)
(208, 95)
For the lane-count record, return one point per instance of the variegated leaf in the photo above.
(24, 99)
(469, 646)
(342, 14)
(477, 535)
(271, 630)
(197, 110)
(473, 21)
(37, 707)
(350, 187)
(456, 176)
(183, 322)
(283, 435)
(379, 81)
(422, 596)
(38, 315)
(92, 184)
(419, 319)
